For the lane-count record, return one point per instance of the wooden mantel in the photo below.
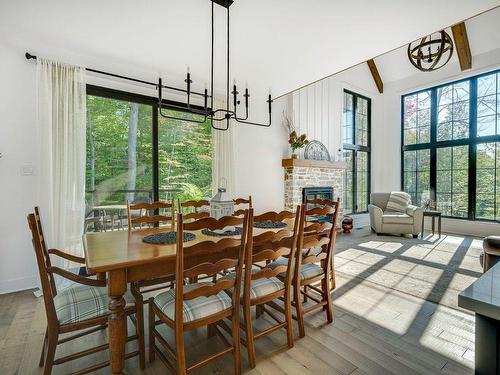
(287, 163)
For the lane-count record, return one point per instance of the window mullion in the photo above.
(433, 151)
(472, 148)
(354, 156)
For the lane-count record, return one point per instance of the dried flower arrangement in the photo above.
(294, 140)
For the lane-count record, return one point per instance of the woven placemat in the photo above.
(269, 224)
(167, 238)
(235, 232)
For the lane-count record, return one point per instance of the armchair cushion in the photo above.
(396, 218)
(413, 210)
(398, 201)
(81, 302)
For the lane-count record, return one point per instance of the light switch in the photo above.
(27, 170)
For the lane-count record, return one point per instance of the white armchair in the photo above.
(382, 221)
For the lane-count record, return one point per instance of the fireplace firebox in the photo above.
(310, 193)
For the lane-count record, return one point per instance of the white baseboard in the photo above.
(466, 227)
(16, 285)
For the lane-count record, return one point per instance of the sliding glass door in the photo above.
(136, 155)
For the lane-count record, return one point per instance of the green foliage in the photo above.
(190, 192)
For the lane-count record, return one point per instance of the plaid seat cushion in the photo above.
(398, 201)
(307, 271)
(261, 287)
(196, 308)
(81, 302)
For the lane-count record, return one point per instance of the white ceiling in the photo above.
(483, 33)
(276, 44)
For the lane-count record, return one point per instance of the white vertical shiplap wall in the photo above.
(312, 113)
(317, 109)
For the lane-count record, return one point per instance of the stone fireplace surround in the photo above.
(300, 173)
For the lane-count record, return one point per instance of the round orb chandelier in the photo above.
(431, 52)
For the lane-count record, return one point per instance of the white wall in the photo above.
(259, 171)
(18, 146)
(386, 170)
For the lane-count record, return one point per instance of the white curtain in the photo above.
(223, 153)
(61, 111)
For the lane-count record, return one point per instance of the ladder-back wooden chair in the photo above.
(187, 307)
(312, 267)
(320, 227)
(148, 214)
(81, 308)
(48, 252)
(262, 287)
(240, 202)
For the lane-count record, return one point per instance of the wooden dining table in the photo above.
(123, 257)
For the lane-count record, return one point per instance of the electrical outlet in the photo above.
(27, 170)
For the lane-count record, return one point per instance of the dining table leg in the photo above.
(117, 286)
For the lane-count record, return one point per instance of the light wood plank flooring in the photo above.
(377, 330)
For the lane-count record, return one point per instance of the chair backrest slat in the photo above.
(274, 216)
(209, 290)
(242, 201)
(190, 209)
(147, 214)
(212, 223)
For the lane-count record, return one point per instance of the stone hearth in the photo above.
(300, 173)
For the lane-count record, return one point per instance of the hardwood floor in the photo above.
(376, 330)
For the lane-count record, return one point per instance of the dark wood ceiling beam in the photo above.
(462, 45)
(376, 75)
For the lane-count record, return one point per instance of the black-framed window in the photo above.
(450, 136)
(135, 154)
(356, 139)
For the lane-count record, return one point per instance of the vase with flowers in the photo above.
(295, 141)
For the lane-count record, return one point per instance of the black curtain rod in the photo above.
(29, 56)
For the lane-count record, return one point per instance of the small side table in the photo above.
(434, 215)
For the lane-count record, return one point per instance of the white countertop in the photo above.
(483, 295)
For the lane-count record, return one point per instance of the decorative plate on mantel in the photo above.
(315, 150)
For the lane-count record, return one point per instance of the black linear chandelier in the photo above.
(218, 115)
